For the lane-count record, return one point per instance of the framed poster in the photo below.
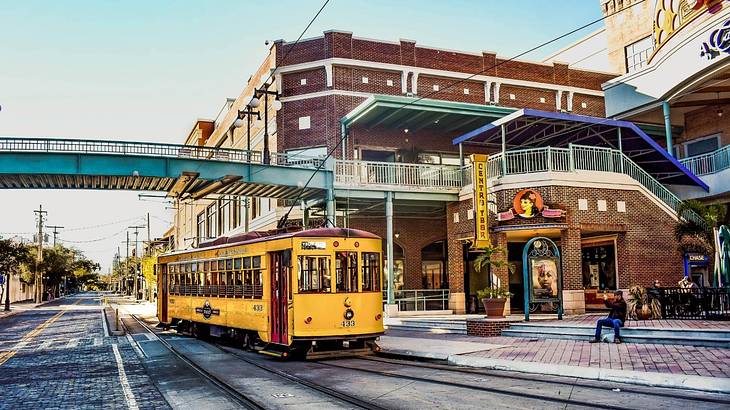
(544, 274)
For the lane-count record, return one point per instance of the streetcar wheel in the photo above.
(247, 341)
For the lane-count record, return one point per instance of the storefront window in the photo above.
(599, 267)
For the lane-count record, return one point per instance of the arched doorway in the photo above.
(433, 266)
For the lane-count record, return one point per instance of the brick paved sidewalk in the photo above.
(675, 359)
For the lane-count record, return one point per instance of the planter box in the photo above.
(494, 306)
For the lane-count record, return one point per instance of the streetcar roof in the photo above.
(262, 236)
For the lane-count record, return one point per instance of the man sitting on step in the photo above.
(615, 319)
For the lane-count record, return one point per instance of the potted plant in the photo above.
(641, 305)
(494, 300)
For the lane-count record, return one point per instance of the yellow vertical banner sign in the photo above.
(481, 212)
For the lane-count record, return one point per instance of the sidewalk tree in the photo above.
(693, 236)
(13, 256)
(61, 263)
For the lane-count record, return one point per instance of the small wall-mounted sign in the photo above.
(528, 204)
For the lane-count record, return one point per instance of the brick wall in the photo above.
(642, 231)
(415, 234)
(487, 327)
(705, 121)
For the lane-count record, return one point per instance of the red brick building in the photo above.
(392, 114)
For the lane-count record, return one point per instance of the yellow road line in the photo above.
(5, 356)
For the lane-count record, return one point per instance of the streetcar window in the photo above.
(258, 290)
(194, 267)
(206, 266)
(237, 263)
(346, 271)
(208, 278)
(247, 263)
(370, 271)
(256, 262)
(221, 264)
(314, 274)
(229, 264)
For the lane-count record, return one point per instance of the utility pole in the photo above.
(136, 255)
(55, 232)
(39, 259)
(126, 266)
(149, 239)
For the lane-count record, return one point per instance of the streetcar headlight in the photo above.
(378, 316)
(308, 320)
(349, 314)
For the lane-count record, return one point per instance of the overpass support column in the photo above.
(668, 127)
(330, 206)
(392, 308)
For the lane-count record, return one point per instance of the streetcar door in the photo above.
(162, 293)
(279, 267)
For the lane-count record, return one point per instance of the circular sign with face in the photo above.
(528, 203)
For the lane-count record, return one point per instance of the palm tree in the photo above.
(694, 236)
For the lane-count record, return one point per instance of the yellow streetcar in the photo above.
(280, 293)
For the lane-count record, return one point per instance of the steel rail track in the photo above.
(501, 374)
(227, 389)
(495, 390)
(307, 383)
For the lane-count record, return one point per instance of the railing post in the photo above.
(571, 158)
(549, 159)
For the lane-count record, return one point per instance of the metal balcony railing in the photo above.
(709, 163)
(582, 158)
(415, 176)
(417, 300)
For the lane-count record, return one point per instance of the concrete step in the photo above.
(427, 329)
(637, 331)
(689, 337)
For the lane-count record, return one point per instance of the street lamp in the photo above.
(276, 105)
(248, 112)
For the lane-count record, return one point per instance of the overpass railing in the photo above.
(709, 163)
(152, 149)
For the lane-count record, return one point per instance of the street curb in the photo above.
(416, 354)
(670, 380)
(109, 318)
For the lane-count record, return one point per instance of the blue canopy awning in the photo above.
(528, 128)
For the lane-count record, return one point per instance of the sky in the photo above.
(146, 70)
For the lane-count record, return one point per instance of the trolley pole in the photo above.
(39, 259)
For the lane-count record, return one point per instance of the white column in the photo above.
(496, 93)
(558, 99)
(570, 101)
(328, 74)
(487, 92)
(414, 83)
(404, 81)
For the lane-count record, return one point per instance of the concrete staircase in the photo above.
(426, 324)
(674, 336)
